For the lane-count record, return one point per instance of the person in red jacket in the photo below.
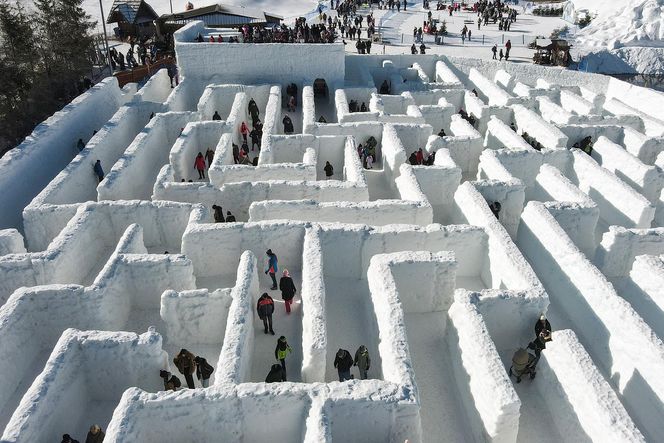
(244, 130)
(419, 156)
(199, 165)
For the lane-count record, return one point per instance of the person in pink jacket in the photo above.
(244, 130)
(199, 165)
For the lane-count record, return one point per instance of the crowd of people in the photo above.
(95, 435)
(367, 152)
(187, 364)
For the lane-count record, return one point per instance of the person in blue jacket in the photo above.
(272, 267)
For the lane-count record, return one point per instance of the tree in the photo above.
(18, 59)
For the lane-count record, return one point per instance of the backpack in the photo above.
(176, 381)
(206, 370)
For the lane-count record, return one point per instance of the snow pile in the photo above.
(628, 40)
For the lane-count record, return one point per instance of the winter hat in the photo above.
(269, 252)
(542, 317)
(285, 273)
(228, 212)
(282, 338)
(264, 294)
(340, 353)
(163, 373)
(95, 429)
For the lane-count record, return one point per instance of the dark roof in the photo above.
(131, 11)
(248, 15)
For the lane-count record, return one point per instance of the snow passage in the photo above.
(105, 282)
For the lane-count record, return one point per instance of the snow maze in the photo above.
(103, 283)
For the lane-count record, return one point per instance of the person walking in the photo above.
(276, 374)
(494, 49)
(329, 170)
(172, 70)
(99, 172)
(95, 435)
(203, 371)
(199, 165)
(280, 353)
(288, 125)
(362, 361)
(500, 54)
(218, 214)
(185, 363)
(80, 145)
(272, 267)
(244, 130)
(288, 290)
(216, 116)
(236, 154)
(343, 362)
(265, 308)
(209, 156)
(171, 382)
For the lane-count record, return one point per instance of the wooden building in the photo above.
(134, 17)
(219, 16)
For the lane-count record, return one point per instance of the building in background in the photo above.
(134, 18)
(218, 16)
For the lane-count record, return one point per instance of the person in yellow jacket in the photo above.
(281, 351)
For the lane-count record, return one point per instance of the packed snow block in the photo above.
(220, 99)
(618, 203)
(157, 89)
(214, 249)
(43, 222)
(554, 113)
(521, 164)
(576, 104)
(506, 267)
(118, 359)
(314, 329)
(511, 196)
(647, 295)
(438, 116)
(206, 60)
(234, 365)
(647, 180)
(77, 182)
(492, 168)
(465, 145)
(304, 170)
(620, 342)
(654, 127)
(579, 399)
(133, 175)
(309, 120)
(186, 95)
(197, 137)
(574, 211)
(475, 106)
(545, 133)
(576, 133)
(11, 242)
(504, 79)
(510, 315)
(495, 95)
(641, 146)
(620, 246)
(342, 99)
(378, 213)
(361, 420)
(431, 291)
(225, 414)
(438, 183)
(29, 167)
(393, 153)
(491, 404)
(499, 135)
(292, 148)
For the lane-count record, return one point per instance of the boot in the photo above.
(271, 332)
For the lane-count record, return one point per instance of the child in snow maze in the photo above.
(362, 361)
(276, 374)
(265, 308)
(280, 353)
(171, 382)
(272, 267)
(343, 362)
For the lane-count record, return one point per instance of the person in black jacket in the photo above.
(265, 308)
(543, 325)
(329, 170)
(288, 290)
(203, 371)
(288, 125)
(343, 362)
(216, 116)
(66, 438)
(171, 382)
(276, 374)
(230, 218)
(218, 214)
